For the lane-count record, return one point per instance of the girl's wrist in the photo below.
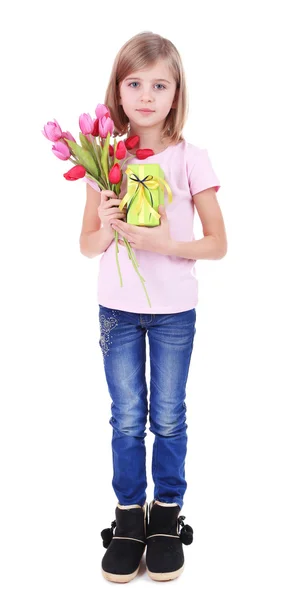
(109, 232)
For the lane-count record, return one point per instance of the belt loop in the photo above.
(144, 319)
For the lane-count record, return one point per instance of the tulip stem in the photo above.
(96, 152)
(133, 259)
(117, 261)
(135, 265)
(126, 160)
(100, 184)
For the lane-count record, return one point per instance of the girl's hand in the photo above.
(154, 239)
(108, 209)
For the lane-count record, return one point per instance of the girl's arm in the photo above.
(214, 243)
(94, 239)
(94, 243)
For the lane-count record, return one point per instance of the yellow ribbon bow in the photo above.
(138, 186)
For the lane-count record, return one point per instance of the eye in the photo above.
(134, 84)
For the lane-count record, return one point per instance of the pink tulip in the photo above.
(102, 111)
(52, 131)
(61, 150)
(86, 123)
(68, 136)
(106, 125)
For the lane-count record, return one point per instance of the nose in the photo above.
(147, 95)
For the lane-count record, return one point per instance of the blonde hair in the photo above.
(143, 50)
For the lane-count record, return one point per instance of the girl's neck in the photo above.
(149, 140)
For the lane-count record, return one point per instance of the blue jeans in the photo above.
(123, 344)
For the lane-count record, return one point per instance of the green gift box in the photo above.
(145, 192)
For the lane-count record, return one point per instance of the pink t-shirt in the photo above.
(170, 281)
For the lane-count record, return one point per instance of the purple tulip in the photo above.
(61, 150)
(102, 111)
(52, 131)
(106, 125)
(86, 123)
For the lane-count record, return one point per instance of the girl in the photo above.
(147, 97)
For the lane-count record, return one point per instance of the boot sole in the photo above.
(120, 578)
(165, 576)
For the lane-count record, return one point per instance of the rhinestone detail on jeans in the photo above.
(106, 325)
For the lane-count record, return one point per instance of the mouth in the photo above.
(145, 110)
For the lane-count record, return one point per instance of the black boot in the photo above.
(166, 533)
(125, 543)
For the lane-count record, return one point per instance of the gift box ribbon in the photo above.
(137, 186)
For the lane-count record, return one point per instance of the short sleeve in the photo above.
(201, 175)
(92, 183)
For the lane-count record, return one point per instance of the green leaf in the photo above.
(92, 148)
(85, 142)
(98, 149)
(113, 159)
(85, 158)
(104, 157)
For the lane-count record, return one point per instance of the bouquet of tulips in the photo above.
(96, 158)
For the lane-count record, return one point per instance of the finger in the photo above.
(105, 196)
(125, 226)
(114, 203)
(113, 211)
(110, 203)
(118, 217)
(109, 193)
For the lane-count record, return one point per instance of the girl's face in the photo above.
(153, 90)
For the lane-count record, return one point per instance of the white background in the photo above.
(56, 469)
